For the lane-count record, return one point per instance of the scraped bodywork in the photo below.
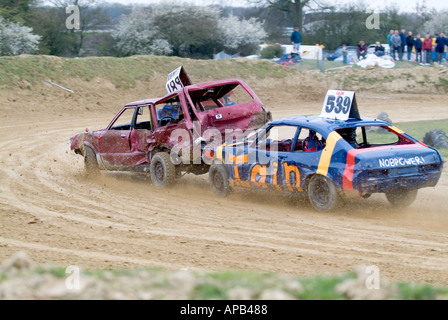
(178, 120)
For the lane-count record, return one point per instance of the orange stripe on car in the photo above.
(395, 129)
(325, 158)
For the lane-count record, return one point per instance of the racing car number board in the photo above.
(340, 105)
(176, 80)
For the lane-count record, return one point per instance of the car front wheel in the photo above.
(162, 170)
(322, 193)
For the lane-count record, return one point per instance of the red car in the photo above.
(165, 136)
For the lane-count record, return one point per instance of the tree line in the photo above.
(186, 30)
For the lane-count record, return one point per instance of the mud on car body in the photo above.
(327, 160)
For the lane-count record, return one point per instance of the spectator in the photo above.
(395, 40)
(441, 42)
(391, 33)
(361, 50)
(410, 44)
(403, 43)
(418, 49)
(296, 39)
(379, 49)
(288, 60)
(427, 47)
(344, 53)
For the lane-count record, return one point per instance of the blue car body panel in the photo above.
(354, 171)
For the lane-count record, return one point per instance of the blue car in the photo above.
(326, 160)
(338, 53)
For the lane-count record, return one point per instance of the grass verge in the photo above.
(418, 129)
(157, 284)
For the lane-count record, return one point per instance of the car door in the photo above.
(276, 166)
(114, 143)
(266, 162)
(302, 160)
(141, 136)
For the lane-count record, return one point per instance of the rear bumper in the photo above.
(369, 185)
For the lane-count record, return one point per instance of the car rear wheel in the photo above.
(401, 197)
(162, 170)
(322, 193)
(90, 163)
(219, 179)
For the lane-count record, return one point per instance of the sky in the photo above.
(403, 5)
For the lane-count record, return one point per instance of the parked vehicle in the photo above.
(371, 48)
(338, 53)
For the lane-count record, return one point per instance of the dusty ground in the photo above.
(51, 210)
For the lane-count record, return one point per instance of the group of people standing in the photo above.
(398, 41)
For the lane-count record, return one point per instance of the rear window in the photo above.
(219, 96)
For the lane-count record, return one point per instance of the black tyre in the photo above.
(162, 170)
(90, 162)
(219, 179)
(322, 193)
(401, 197)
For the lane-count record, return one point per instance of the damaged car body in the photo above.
(142, 135)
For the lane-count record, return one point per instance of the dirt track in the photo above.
(50, 209)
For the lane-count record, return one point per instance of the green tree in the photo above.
(49, 23)
(347, 24)
(293, 9)
(16, 10)
(191, 30)
(71, 41)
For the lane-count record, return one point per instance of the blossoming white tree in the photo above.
(16, 39)
(438, 23)
(137, 34)
(241, 34)
(185, 30)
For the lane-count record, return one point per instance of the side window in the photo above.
(309, 141)
(376, 136)
(143, 119)
(278, 138)
(351, 135)
(169, 111)
(124, 121)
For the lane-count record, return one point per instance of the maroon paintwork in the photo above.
(200, 107)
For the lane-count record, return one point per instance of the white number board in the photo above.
(337, 104)
(173, 82)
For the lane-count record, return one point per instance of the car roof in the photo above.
(326, 125)
(141, 102)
